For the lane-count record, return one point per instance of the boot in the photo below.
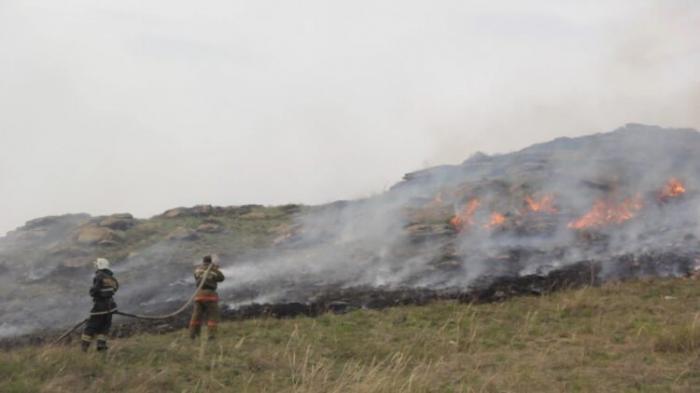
(102, 345)
(211, 331)
(195, 330)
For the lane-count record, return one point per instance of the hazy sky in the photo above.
(139, 106)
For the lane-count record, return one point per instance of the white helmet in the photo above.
(101, 263)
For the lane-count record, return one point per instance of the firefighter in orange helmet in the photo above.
(206, 301)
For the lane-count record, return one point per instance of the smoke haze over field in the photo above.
(616, 205)
(133, 106)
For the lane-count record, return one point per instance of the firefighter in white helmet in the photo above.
(104, 286)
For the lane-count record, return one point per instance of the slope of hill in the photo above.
(625, 202)
(639, 336)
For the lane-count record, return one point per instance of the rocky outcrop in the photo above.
(41, 222)
(51, 221)
(209, 210)
(196, 211)
(42, 231)
(173, 213)
(121, 222)
(182, 233)
(90, 235)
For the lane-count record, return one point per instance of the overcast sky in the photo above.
(140, 106)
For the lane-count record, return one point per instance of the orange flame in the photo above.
(672, 189)
(497, 219)
(542, 205)
(606, 211)
(465, 217)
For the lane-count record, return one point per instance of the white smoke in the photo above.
(366, 243)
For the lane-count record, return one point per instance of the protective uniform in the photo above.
(104, 286)
(206, 301)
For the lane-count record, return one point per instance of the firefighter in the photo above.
(104, 286)
(206, 301)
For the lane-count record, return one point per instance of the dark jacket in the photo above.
(104, 285)
(215, 276)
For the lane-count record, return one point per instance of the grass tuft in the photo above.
(681, 339)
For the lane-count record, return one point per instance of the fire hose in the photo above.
(137, 316)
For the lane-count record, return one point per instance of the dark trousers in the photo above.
(98, 325)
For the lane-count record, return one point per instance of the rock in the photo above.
(41, 222)
(182, 233)
(210, 228)
(291, 208)
(53, 220)
(176, 212)
(120, 222)
(202, 210)
(95, 235)
(197, 211)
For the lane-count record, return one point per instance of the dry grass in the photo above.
(682, 339)
(633, 337)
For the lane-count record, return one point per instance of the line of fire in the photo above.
(609, 210)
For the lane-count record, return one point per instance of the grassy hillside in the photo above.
(641, 336)
(241, 229)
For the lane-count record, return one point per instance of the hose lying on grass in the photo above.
(137, 316)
